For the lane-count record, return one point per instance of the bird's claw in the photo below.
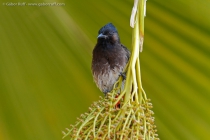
(106, 91)
(123, 75)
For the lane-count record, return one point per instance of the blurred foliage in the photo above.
(45, 57)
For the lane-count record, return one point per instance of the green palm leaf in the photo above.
(45, 56)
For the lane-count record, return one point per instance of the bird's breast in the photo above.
(107, 64)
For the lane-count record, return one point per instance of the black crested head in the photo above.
(108, 33)
(107, 27)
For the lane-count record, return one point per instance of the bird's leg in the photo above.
(105, 92)
(123, 75)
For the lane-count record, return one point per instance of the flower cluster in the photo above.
(108, 121)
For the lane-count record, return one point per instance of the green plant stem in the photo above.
(94, 122)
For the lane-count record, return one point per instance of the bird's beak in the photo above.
(102, 36)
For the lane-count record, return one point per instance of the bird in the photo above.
(109, 58)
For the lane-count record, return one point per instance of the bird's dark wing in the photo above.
(127, 52)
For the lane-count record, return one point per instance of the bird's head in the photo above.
(108, 33)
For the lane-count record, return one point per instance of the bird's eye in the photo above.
(111, 33)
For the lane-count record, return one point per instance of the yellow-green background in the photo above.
(45, 57)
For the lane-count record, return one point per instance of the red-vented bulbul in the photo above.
(109, 58)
